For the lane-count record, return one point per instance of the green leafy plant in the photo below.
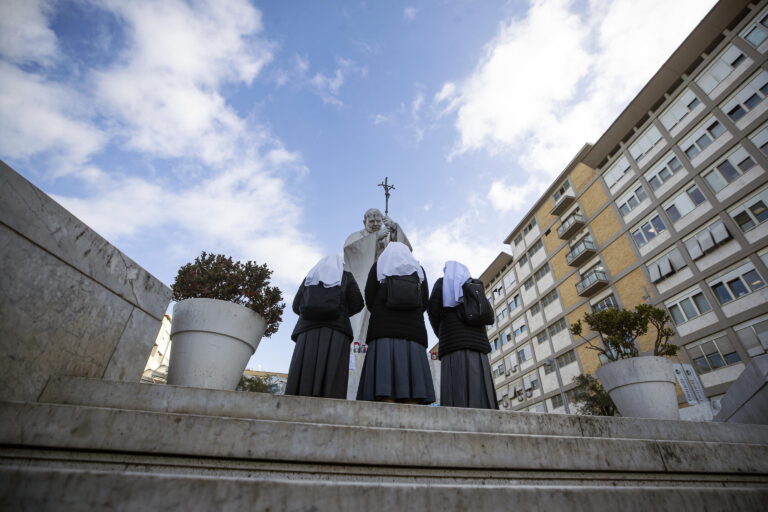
(591, 397)
(619, 329)
(258, 384)
(215, 276)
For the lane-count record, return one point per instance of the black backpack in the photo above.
(321, 304)
(403, 292)
(475, 308)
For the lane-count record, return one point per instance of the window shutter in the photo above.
(653, 268)
(676, 259)
(705, 241)
(665, 267)
(693, 248)
(719, 232)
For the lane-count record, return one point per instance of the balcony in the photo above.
(591, 282)
(581, 252)
(570, 226)
(563, 202)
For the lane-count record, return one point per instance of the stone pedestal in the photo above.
(70, 302)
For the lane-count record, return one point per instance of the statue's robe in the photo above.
(361, 250)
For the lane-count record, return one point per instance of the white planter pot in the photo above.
(212, 341)
(641, 387)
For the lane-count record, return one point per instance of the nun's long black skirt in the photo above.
(320, 364)
(466, 381)
(396, 369)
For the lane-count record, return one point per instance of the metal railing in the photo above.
(569, 222)
(590, 278)
(579, 249)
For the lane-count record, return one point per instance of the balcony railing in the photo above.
(581, 252)
(563, 202)
(570, 226)
(591, 282)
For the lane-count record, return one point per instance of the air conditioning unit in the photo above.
(507, 373)
(514, 369)
(505, 404)
(520, 398)
(529, 394)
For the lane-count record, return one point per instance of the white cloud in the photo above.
(457, 240)
(41, 117)
(540, 93)
(329, 86)
(506, 198)
(220, 180)
(409, 13)
(24, 33)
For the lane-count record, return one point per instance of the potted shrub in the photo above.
(640, 386)
(224, 308)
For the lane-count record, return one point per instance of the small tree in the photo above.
(591, 397)
(619, 329)
(215, 276)
(257, 384)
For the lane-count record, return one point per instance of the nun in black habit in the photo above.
(396, 368)
(465, 373)
(320, 362)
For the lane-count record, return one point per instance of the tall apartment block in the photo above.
(668, 207)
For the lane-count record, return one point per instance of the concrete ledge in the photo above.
(747, 398)
(70, 490)
(180, 400)
(115, 430)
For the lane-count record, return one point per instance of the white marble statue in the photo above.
(361, 249)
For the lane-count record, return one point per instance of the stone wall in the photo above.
(70, 302)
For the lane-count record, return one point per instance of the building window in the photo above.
(524, 353)
(543, 271)
(506, 337)
(557, 400)
(501, 314)
(520, 330)
(518, 239)
(684, 203)
(531, 381)
(616, 172)
(542, 337)
(747, 98)
(498, 371)
(565, 359)
(606, 303)
(514, 303)
(757, 32)
(527, 229)
(645, 143)
(760, 139)
(535, 309)
(659, 176)
(713, 354)
(560, 191)
(549, 298)
(528, 284)
(720, 69)
(707, 239)
(688, 307)
(736, 286)
(679, 109)
(523, 260)
(727, 171)
(557, 327)
(703, 140)
(753, 212)
(630, 201)
(648, 230)
(666, 265)
(535, 248)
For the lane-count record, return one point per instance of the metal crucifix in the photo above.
(387, 188)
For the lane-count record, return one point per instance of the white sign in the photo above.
(693, 378)
(690, 396)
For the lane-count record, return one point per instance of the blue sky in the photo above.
(261, 129)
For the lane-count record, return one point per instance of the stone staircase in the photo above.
(90, 444)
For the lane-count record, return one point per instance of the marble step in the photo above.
(205, 402)
(62, 490)
(78, 427)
